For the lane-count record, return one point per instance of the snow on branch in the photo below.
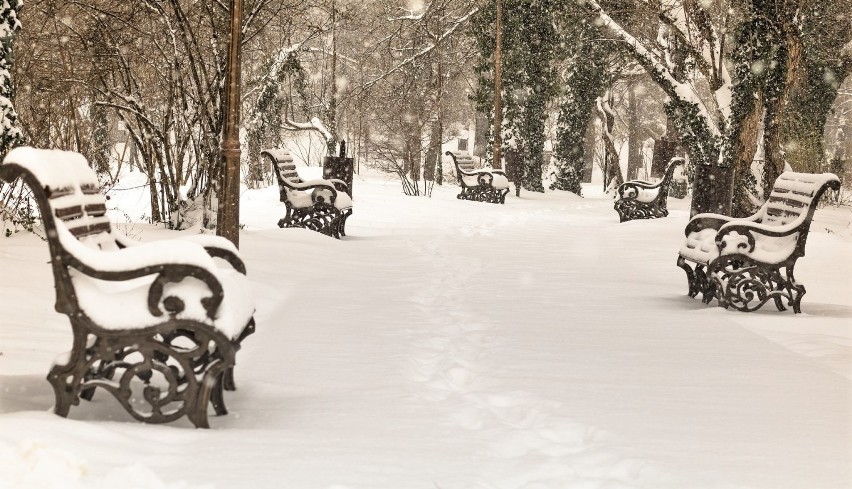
(653, 64)
(424, 51)
(413, 13)
(691, 24)
(315, 124)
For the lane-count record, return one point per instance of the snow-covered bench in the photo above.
(482, 185)
(746, 262)
(155, 324)
(319, 205)
(638, 199)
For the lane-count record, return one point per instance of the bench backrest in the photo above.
(284, 165)
(68, 195)
(795, 194)
(464, 161)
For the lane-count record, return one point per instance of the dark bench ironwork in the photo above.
(155, 324)
(481, 185)
(638, 199)
(318, 205)
(747, 262)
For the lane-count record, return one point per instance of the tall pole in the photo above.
(228, 213)
(498, 88)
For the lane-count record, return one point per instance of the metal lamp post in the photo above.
(228, 213)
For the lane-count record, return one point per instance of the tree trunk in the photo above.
(776, 109)
(433, 153)
(744, 144)
(589, 152)
(612, 167)
(634, 144)
(480, 135)
(497, 161)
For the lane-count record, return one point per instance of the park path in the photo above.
(456, 345)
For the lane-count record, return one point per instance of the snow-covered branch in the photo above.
(315, 124)
(653, 64)
(424, 51)
(413, 14)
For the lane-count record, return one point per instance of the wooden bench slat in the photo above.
(66, 213)
(96, 210)
(55, 193)
(90, 189)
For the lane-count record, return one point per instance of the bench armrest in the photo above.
(481, 171)
(741, 234)
(708, 220)
(340, 185)
(641, 184)
(170, 260)
(630, 189)
(314, 184)
(218, 247)
(215, 246)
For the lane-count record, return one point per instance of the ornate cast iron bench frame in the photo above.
(748, 262)
(634, 201)
(483, 190)
(180, 363)
(318, 205)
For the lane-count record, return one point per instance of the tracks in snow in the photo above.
(524, 439)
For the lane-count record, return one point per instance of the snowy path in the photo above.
(457, 345)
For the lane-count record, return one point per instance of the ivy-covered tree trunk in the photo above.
(10, 133)
(284, 73)
(532, 132)
(99, 148)
(432, 170)
(814, 37)
(528, 49)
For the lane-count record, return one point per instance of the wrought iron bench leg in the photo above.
(217, 397)
(690, 276)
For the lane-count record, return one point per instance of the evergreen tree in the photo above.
(282, 92)
(10, 135)
(586, 77)
(529, 47)
(816, 32)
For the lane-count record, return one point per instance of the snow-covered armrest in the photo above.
(339, 184)
(639, 190)
(762, 242)
(141, 255)
(169, 261)
(218, 247)
(709, 220)
(323, 190)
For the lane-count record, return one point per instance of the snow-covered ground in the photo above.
(457, 345)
